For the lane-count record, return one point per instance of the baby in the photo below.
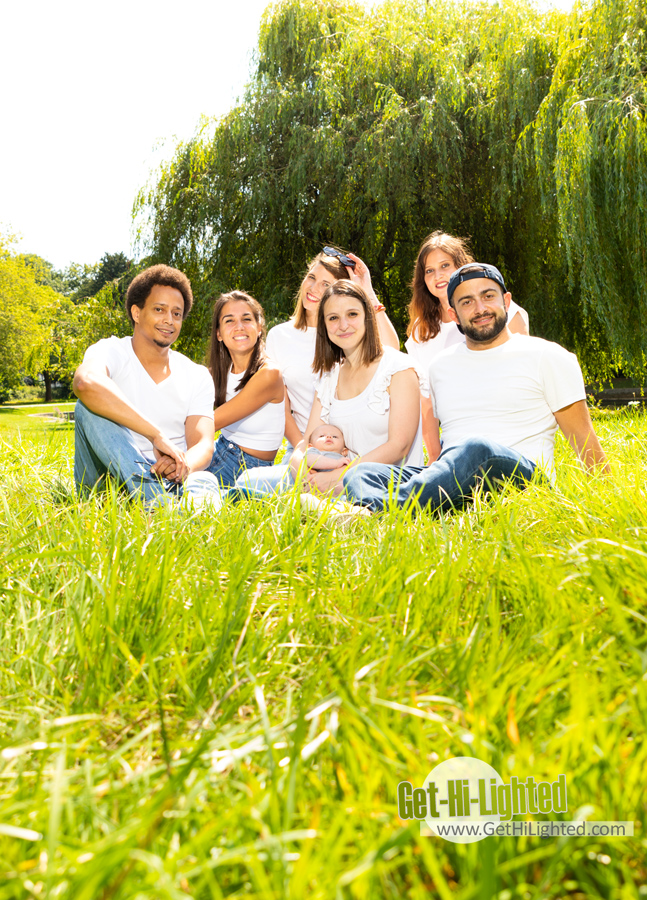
(326, 449)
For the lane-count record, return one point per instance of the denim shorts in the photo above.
(229, 461)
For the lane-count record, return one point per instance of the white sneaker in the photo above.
(340, 511)
(202, 503)
(201, 493)
(345, 515)
(309, 501)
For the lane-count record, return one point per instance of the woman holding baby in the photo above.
(369, 391)
(292, 346)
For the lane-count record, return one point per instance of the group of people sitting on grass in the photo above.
(484, 397)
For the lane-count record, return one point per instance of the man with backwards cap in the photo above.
(499, 399)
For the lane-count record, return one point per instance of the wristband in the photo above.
(379, 308)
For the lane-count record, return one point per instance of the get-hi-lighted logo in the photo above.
(465, 800)
(495, 798)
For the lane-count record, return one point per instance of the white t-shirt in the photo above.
(260, 430)
(424, 352)
(507, 394)
(188, 391)
(293, 350)
(364, 420)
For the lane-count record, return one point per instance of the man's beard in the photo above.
(483, 335)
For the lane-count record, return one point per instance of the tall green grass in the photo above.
(223, 707)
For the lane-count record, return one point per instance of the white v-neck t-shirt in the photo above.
(188, 390)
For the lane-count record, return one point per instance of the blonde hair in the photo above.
(332, 265)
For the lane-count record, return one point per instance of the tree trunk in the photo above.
(48, 387)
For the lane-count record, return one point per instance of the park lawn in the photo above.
(224, 706)
(31, 417)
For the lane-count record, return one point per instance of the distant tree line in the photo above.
(50, 317)
(521, 130)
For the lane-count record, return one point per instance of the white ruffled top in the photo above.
(364, 420)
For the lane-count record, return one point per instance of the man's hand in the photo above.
(171, 463)
(164, 467)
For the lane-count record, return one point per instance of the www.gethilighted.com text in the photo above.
(465, 800)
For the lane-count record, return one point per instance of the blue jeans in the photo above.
(229, 461)
(102, 447)
(257, 482)
(446, 483)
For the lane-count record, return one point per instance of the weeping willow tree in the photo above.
(371, 129)
(589, 156)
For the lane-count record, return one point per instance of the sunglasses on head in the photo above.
(344, 260)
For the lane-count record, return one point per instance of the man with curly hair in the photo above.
(145, 412)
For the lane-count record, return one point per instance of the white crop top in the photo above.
(260, 430)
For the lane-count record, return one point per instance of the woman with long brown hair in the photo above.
(249, 410)
(291, 345)
(369, 391)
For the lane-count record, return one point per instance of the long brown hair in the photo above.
(327, 353)
(332, 264)
(219, 355)
(425, 310)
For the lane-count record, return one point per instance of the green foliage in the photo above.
(100, 316)
(79, 276)
(87, 281)
(209, 708)
(45, 273)
(49, 320)
(369, 129)
(29, 311)
(590, 145)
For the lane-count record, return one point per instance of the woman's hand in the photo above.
(361, 275)
(325, 482)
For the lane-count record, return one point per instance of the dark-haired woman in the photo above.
(250, 408)
(291, 345)
(430, 328)
(370, 392)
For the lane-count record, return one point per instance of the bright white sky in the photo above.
(89, 90)
(95, 95)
